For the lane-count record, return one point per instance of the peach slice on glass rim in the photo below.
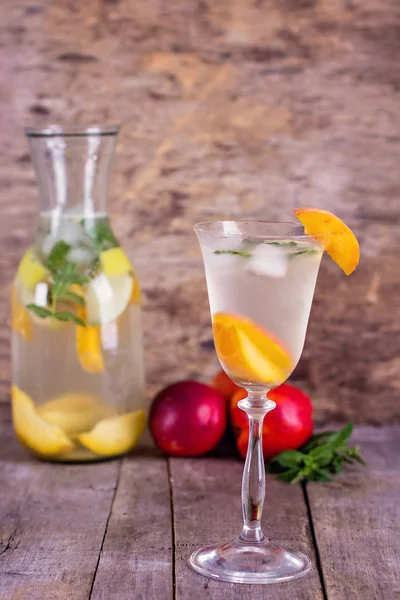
(335, 236)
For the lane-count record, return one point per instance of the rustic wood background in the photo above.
(229, 109)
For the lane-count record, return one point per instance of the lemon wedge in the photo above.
(115, 435)
(107, 297)
(89, 345)
(136, 296)
(75, 412)
(115, 262)
(30, 270)
(20, 320)
(35, 433)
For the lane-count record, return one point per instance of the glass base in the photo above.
(244, 562)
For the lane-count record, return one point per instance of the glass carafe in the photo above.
(77, 360)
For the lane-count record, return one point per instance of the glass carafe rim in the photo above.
(51, 131)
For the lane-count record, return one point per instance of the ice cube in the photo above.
(71, 232)
(268, 260)
(109, 336)
(225, 253)
(41, 294)
(67, 230)
(48, 243)
(231, 228)
(81, 256)
(227, 243)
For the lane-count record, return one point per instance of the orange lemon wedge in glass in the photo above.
(337, 238)
(248, 352)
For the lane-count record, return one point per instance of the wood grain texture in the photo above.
(357, 522)
(207, 509)
(233, 108)
(136, 558)
(52, 522)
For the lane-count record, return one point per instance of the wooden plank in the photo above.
(207, 509)
(52, 522)
(136, 560)
(357, 521)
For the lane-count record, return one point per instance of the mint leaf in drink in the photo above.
(283, 244)
(64, 278)
(57, 256)
(304, 252)
(64, 274)
(72, 297)
(44, 313)
(323, 456)
(40, 311)
(67, 316)
(101, 234)
(243, 253)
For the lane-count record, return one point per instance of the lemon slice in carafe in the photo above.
(115, 435)
(74, 412)
(34, 432)
(110, 292)
(107, 297)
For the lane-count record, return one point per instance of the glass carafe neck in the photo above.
(72, 167)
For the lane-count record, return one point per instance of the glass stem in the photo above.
(253, 482)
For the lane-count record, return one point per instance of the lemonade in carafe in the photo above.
(77, 360)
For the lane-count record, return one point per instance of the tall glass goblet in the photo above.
(260, 278)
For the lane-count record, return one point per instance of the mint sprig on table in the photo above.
(64, 274)
(322, 456)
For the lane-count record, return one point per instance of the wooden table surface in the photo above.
(124, 529)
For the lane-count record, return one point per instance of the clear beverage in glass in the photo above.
(260, 279)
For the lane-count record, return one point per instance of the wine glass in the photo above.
(260, 279)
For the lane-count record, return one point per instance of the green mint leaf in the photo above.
(65, 277)
(294, 254)
(291, 243)
(57, 255)
(291, 475)
(79, 278)
(274, 467)
(340, 438)
(315, 440)
(40, 311)
(67, 316)
(72, 297)
(244, 253)
(320, 475)
(336, 467)
(102, 236)
(322, 455)
(289, 458)
(355, 454)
